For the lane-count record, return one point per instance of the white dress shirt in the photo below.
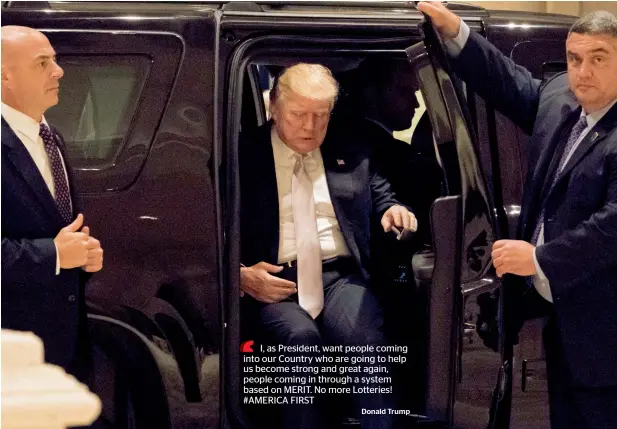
(330, 236)
(27, 130)
(540, 281)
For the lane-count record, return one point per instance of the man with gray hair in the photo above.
(307, 203)
(566, 255)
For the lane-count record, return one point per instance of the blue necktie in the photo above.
(63, 199)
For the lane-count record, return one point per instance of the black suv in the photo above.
(152, 103)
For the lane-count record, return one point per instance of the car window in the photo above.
(405, 135)
(99, 96)
(537, 55)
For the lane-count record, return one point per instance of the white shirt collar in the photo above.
(21, 122)
(284, 155)
(594, 118)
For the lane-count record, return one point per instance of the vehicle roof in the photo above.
(395, 6)
(341, 8)
(299, 6)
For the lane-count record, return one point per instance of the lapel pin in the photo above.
(594, 136)
(340, 162)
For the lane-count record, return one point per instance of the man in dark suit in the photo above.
(307, 203)
(47, 253)
(567, 252)
(380, 98)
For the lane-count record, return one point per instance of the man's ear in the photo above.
(274, 111)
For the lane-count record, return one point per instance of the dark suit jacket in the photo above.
(356, 190)
(411, 169)
(34, 298)
(580, 253)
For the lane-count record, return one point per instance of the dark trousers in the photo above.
(573, 406)
(351, 316)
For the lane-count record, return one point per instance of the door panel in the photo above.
(479, 369)
(443, 304)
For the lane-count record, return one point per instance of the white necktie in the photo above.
(310, 286)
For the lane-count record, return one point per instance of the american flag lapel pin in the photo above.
(340, 162)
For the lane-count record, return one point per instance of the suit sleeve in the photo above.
(381, 193)
(24, 259)
(587, 249)
(497, 79)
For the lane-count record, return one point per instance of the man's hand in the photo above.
(513, 257)
(399, 217)
(446, 22)
(72, 244)
(257, 282)
(95, 253)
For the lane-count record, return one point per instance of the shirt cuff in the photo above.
(57, 259)
(455, 46)
(539, 271)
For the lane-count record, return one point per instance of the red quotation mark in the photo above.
(247, 346)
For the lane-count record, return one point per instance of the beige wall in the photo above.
(565, 7)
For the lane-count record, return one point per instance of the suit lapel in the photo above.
(19, 156)
(593, 137)
(554, 127)
(549, 157)
(333, 163)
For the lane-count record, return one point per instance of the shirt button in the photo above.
(72, 298)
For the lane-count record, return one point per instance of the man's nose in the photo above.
(57, 72)
(586, 69)
(309, 123)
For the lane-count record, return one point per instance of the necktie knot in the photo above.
(300, 162)
(580, 125)
(46, 135)
(44, 131)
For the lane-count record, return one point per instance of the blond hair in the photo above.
(313, 81)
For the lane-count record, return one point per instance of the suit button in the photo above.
(72, 298)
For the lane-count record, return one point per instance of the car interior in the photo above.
(402, 284)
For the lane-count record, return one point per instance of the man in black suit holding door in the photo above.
(567, 253)
(308, 194)
(47, 253)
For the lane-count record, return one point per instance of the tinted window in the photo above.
(99, 96)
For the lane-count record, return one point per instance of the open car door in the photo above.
(468, 366)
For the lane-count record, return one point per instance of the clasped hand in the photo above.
(77, 248)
